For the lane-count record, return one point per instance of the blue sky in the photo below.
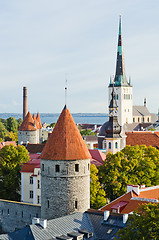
(42, 41)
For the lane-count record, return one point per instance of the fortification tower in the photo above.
(65, 170)
(27, 131)
(123, 88)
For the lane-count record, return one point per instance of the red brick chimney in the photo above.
(24, 102)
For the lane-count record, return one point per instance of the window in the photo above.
(2, 212)
(117, 96)
(116, 145)
(77, 167)
(38, 199)
(138, 119)
(42, 167)
(38, 184)
(109, 145)
(88, 166)
(76, 204)
(48, 203)
(57, 168)
(104, 144)
(36, 215)
(133, 119)
(143, 119)
(15, 213)
(31, 180)
(31, 194)
(148, 119)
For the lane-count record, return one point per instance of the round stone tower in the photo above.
(27, 131)
(65, 170)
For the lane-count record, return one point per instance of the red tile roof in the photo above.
(65, 142)
(29, 166)
(98, 156)
(39, 121)
(36, 122)
(142, 138)
(27, 124)
(134, 200)
(2, 144)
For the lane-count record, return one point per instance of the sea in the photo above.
(90, 118)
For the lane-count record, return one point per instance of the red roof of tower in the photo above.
(65, 142)
(27, 124)
(36, 122)
(39, 121)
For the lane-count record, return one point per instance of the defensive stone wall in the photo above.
(16, 215)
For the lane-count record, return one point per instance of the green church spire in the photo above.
(120, 77)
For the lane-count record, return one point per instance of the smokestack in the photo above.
(24, 102)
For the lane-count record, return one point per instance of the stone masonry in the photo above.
(66, 191)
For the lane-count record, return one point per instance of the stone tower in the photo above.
(123, 88)
(27, 131)
(65, 170)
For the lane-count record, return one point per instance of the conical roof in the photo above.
(65, 142)
(39, 121)
(27, 124)
(120, 77)
(35, 121)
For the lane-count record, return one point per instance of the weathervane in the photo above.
(65, 89)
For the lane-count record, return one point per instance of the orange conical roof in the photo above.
(65, 142)
(39, 121)
(27, 124)
(36, 122)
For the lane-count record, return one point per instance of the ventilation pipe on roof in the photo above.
(43, 223)
(106, 215)
(125, 218)
(35, 220)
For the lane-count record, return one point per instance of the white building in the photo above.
(31, 181)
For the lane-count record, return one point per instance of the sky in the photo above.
(43, 43)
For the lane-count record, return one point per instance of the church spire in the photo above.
(120, 77)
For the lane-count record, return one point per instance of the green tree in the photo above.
(19, 122)
(11, 136)
(11, 160)
(143, 224)
(133, 165)
(11, 124)
(85, 132)
(52, 125)
(3, 131)
(97, 194)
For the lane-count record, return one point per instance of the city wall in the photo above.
(16, 215)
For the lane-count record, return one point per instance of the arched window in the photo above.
(116, 145)
(104, 144)
(109, 145)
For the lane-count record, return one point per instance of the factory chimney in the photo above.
(24, 102)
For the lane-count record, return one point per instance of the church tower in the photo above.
(123, 88)
(65, 170)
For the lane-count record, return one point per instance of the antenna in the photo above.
(65, 89)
